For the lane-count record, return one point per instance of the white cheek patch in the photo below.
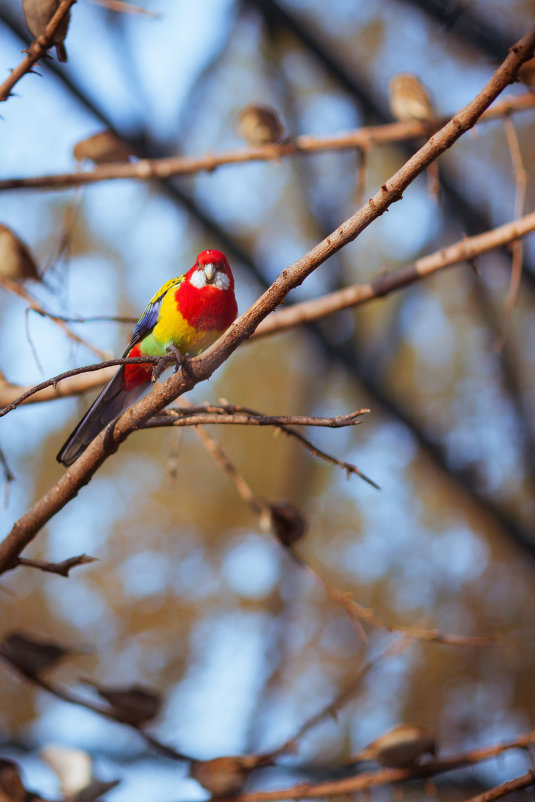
(198, 279)
(221, 280)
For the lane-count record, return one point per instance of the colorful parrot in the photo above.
(185, 316)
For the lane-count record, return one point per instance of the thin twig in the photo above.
(201, 416)
(517, 247)
(82, 319)
(244, 415)
(62, 568)
(163, 168)
(259, 508)
(18, 289)
(342, 698)
(416, 633)
(138, 360)
(505, 788)
(67, 695)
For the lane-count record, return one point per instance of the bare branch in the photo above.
(203, 366)
(464, 250)
(505, 788)
(416, 633)
(61, 568)
(342, 698)
(521, 177)
(164, 168)
(107, 711)
(241, 415)
(18, 289)
(207, 414)
(37, 49)
(369, 779)
(139, 360)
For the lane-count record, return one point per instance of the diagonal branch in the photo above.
(11, 395)
(204, 365)
(374, 779)
(37, 49)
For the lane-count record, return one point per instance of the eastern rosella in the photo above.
(186, 315)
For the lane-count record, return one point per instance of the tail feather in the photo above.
(111, 402)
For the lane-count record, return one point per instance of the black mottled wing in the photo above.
(149, 318)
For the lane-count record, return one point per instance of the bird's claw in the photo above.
(173, 356)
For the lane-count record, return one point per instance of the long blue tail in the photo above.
(111, 402)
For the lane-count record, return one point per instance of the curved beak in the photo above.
(209, 272)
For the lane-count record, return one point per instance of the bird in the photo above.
(259, 125)
(30, 655)
(16, 260)
(409, 102)
(401, 747)
(131, 704)
(225, 776)
(409, 99)
(185, 316)
(104, 147)
(38, 14)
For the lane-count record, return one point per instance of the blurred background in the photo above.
(189, 596)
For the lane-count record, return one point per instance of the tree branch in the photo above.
(462, 251)
(373, 779)
(37, 49)
(203, 366)
(505, 788)
(240, 416)
(18, 289)
(163, 168)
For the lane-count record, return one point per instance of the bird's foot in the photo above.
(172, 357)
(176, 355)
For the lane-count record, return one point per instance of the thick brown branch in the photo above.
(148, 169)
(204, 365)
(290, 317)
(37, 49)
